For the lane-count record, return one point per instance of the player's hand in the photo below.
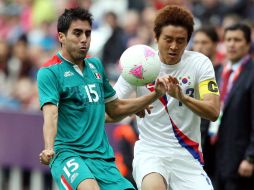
(162, 85)
(175, 90)
(246, 169)
(142, 113)
(46, 155)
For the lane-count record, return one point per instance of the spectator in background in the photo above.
(43, 11)
(131, 23)
(235, 145)
(144, 33)
(208, 11)
(20, 64)
(4, 57)
(205, 41)
(227, 21)
(125, 136)
(25, 93)
(136, 5)
(238, 7)
(113, 47)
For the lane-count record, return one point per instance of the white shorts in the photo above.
(179, 169)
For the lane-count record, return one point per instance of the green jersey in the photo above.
(80, 97)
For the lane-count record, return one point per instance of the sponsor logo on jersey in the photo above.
(68, 74)
(91, 66)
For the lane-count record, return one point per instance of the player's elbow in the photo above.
(109, 119)
(214, 117)
(214, 109)
(214, 114)
(115, 114)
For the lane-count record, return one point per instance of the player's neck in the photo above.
(72, 60)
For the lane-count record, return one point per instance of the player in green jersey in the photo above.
(74, 95)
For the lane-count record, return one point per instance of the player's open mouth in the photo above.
(83, 49)
(172, 54)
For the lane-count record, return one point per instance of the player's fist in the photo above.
(46, 155)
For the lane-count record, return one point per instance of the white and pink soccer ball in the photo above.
(140, 65)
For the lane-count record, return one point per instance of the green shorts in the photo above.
(69, 170)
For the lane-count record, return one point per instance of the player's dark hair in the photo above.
(176, 16)
(70, 15)
(210, 32)
(243, 27)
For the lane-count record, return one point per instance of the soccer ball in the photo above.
(140, 65)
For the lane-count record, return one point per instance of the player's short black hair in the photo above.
(243, 27)
(210, 32)
(70, 15)
(176, 16)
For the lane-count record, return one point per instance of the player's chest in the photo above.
(187, 79)
(81, 88)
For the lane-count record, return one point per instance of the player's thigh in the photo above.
(107, 175)
(188, 174)
(69, 171)
(154, 181)
(147, 165)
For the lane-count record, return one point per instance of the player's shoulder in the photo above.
(194, 55)
(53, 61)
(50, 68)
(195, 58)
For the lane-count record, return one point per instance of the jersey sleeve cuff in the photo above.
(54, 102)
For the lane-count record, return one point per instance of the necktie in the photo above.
(224, 85)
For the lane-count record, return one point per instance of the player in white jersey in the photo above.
(168, 153)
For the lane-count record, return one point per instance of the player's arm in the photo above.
(49, 98)
(50, 115)
(125, 90)
(208, 108)
(109, 119)
(120, 108)
(140, 114)
(209, 104)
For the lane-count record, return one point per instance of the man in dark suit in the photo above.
(235, 145)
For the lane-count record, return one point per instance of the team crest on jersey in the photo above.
(95, 71)
(184, 81)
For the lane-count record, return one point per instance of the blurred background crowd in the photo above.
(28, 35)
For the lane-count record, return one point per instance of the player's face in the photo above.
(76, 43)
(236, 45)
(171, 43)
(203, 44)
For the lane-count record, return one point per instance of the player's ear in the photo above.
(61, 37)
(154, 37)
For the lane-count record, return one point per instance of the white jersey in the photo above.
(172, 124)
